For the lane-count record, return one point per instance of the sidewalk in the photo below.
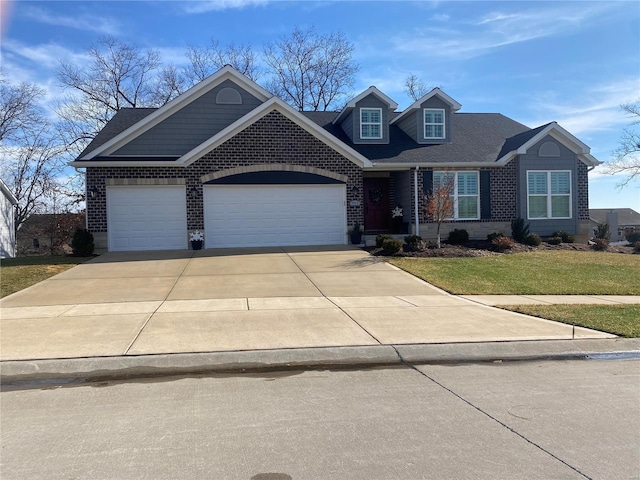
(493, 300)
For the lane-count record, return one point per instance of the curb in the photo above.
(126, 367)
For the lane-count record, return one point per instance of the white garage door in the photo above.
(274, 215)
(147, 218)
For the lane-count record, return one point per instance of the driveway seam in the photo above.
(504, 425)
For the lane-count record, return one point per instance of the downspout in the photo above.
(415, 200)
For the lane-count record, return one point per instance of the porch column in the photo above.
(415, 200)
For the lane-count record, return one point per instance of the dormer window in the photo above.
(434, 123)
(371, 123)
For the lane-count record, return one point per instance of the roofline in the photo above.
(416, 105)
(372, 90)
(225, 73)
(256, 114)
(123, 163)
(8, 193)
(411, 165)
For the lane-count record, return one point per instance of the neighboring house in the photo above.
(621, 221)
(229, 158)
(7, 222)
(48, 233)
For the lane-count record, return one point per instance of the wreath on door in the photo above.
(375, 195)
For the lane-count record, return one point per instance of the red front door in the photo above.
(376, 204)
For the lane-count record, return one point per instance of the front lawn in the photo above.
(22, 272)
(622, 320)
(533, 273)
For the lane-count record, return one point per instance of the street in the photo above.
(531, 420)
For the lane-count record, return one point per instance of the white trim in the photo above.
(424, 123)
(455, 106)
(7, 193)
(151, 120)
(456, 196)
(124, 163)
(379, 137)
(549, 195)
(369, 91)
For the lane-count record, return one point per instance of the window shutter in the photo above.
(485, 195)
(427, 182)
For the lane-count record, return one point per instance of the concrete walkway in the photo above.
(153, 303)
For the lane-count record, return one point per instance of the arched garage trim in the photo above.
(273, 168)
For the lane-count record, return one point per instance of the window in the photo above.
(549, 194)
(465, 193)
(371, 123)
(434, 123)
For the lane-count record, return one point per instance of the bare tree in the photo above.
(311, 71)
(18, 109)
(439, 204)
(415, 87)
(168, 85)
(626, 158)
(203, 61)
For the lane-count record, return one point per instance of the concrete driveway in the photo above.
(227, 300)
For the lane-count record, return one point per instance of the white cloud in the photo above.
(46, 55)
(440, 17)
(91, 23)
(196, 6)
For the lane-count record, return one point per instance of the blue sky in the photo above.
(573, 62)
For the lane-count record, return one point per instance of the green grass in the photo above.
(533, 273)
(622, 320)
(19, 273)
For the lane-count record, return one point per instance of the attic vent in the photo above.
(228, 96)
(549, 149)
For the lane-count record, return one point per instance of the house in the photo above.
(48, 233)
(621, 221)
(230, 159)
(7, 225)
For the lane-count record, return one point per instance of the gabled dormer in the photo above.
(365, 119)
(428, 120)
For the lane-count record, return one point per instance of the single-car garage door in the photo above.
(274, 215)
(147, 218)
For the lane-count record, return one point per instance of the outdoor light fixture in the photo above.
(355, 190)
(193, 193)
(93, 191)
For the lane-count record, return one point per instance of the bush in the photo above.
(519, 229)
(82, 243)
(565, 236)
(458, 237)
(636, 247)
(632, 237)
(601, 232)
(414, 243)
(492, 236)
(391, 246)
(532, 240)
(502, 243)
(380, 238)
(554, 240)
(600, 244)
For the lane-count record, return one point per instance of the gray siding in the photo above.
(433, 102)
(532, 161)
(347, 125)
(371, 101)
(191, 125)
(404, 193)
(409, 125)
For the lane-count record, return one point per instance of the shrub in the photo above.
(633, 237)
(414, 242)
(601, 232)
(532, 240)
(565, 236)
(519, 229)
(636, 247)
(494, 235)
(554, 240)
(381, 237)
(502, 243)
(458, 237)
(600, 244)
(391, 246)
(82, 243)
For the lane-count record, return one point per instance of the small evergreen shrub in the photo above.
(519, 229)
(381, 237)
(554, 240)
(494, 235)
(532, 240)
(636, 247)
(458, 237)
(632, 237)
(414, 243)
(565, 236)
(391, 246)
(600, 244)
(502, 243)
(82, 243)
(601, 232)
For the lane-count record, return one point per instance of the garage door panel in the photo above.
(147, 218)
(274, 215)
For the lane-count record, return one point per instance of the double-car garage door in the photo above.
(154, 217)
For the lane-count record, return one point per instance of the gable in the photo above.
(194, 123)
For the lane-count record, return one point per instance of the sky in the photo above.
(572, 62)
